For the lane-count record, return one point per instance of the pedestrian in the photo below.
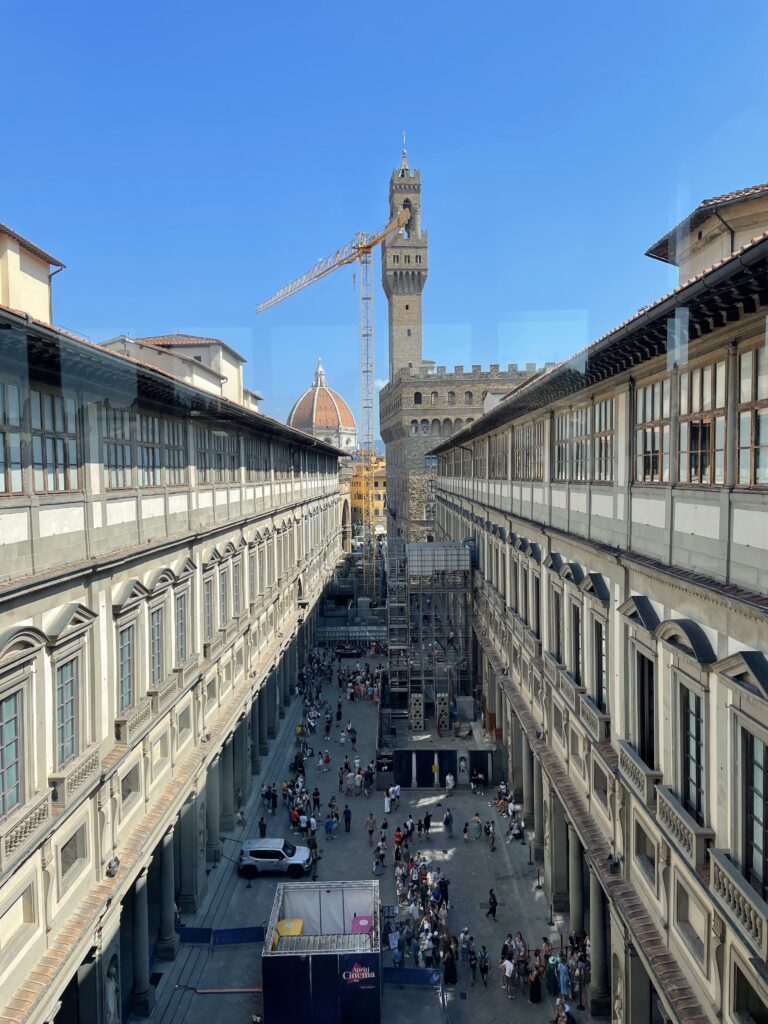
(448, 823)
(492, 836)
(327, 762)
(342, 738)
(477, 825)
(509, 973)
(315, 799)
(262, 827)
(464, 945)
(427, 824)
(387, 804)
(274, 799)
(450, 976)
(484, 963)
(370, 824)
(347, 815)
(472, 962)
(450, 782)
(492, 904)
(312, 824)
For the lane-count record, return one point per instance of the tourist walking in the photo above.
(492, 904)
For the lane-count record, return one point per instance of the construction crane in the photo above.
(358, 250)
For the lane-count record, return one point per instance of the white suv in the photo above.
(260, 855)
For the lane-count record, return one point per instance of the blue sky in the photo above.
(185, 160)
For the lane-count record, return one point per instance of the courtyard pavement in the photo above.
(472, 869)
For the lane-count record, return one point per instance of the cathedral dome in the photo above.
(322, 412)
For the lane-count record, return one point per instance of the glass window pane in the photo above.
(35, 413)
(720, 384)
(762, 373)
(706, 387)
(745, 377)
(695, 390)
(665, 398)
(70, 412)
(13, 410)
(684, 394)
(48, 411)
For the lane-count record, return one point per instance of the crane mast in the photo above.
(358, 250)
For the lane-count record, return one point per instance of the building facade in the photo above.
(618, 507)
(421, 401)
(163, 551)
(376, 484)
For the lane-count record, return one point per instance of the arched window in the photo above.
(447, 428)
(425, 426)
(436, 428)
(414, 427)
(467, 398)
(417, 398)
(451, 398)
(433, 398)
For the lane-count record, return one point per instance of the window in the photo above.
(19, 916)
(571, 445)
(645, 852)
(646, 709)
(216, 452)
(529, 451)
(126, 667)
(71, 854)
(130, 786)
(748, 1004)
(117, 440)
(602, 442)
(599, 663)
(256, 459)
(395, 259)
(406, 259)
(480, 459)
(451, 398)
(54, 442)
(147, 450)
(702, 424)
(467, 398)
(692, 752)
(599, 783)
(556, 630)
(575, 659)
(433, 398)
(156, 646)
(417, 398)
(755, 813)
(692, 921)
(208, 608)
(498, 457)
(753, 417)
(236, 586)
(417, 259)
(175, 452)
(11, 777)
(66, 710)
(524, 611)
(223, 598)
(652, 437)
(536, 606)
(181, 628)
(11, 481)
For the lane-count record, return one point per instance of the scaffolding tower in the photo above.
(429, 629)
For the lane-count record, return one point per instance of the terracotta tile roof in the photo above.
(30, 246)
(661, 250)
(172, 340)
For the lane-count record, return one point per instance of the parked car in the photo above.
(258, 856)
(348, 651)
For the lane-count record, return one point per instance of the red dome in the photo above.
(321, 408)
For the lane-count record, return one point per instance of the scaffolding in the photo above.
(429, 628)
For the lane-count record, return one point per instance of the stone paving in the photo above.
(472, 869)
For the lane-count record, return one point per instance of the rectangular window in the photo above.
(126, 667)
(602, 440)
(147, 450)
(181, 628)
(11, 480)
(208, 608)
(646, 709)
(223, 598)
(11, 779)
(117, 444)
(599, 663)
(256, 459)
(71, 854)
(524, 611)
(692, 753)
(645, 852)
(755, 813)
(571, 445)
(529, 451)
(702, 425)
(216, 456)
(575, 660)
(175, 452)
(556, 637)
(236, 601)
(66, 710)
(53, 421)
(499, 457)
(753, 418)
(652, 413)
(156, 646)
(748, 1005)
(536, 606)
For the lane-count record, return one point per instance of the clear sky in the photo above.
(185, 160)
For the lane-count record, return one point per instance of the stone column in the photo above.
(193, 880)
(261, 697)
(516, 760)
(168, 939)
(272, 701)
(538, 811)
(213, 844)
(599, 996)
(143, 994)
(242, 774)
(255, 737)
(414, 776)
(227, 782)
(528, 809)
(575, 882)
(282, 686)
(436, 773)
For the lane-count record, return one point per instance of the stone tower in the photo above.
(404, 270)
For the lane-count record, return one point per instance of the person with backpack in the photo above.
(484, 963)
(472, 961)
